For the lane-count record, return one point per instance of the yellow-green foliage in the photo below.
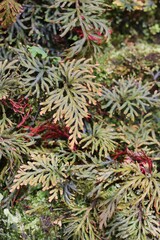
(79, 129)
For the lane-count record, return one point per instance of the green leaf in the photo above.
(35, 51)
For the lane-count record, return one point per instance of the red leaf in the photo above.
(49, 131)
(143, 160)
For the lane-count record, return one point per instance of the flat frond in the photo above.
(101, 140)
(140, 136)
(71, 100)
(134, 223)
(13, 148)
(38, 74)
(9, 78)
(130, 98)
(45, 169)
(89, 27)
(131, 191)
(81, 224)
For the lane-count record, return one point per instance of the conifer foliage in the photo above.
(79, 144)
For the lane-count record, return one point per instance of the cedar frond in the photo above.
(37, 73)
(101, 140)
(140, 136)
(134, 223)
(72, 15)
(129, 98)
(81, 224)
(46, 169)
(9, 78)
(71, 99)
(13, 147)
(136, 188)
